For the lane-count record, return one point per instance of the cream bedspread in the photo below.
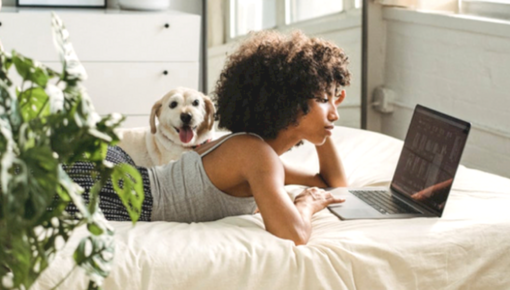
(468, 248)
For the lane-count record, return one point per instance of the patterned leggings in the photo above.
(109, 202)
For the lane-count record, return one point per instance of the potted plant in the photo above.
(48, 120)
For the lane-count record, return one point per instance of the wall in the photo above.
(456, 65)
(344, 30)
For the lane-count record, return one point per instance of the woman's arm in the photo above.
(331, 170)
(282, 217)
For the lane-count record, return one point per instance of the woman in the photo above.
(274, 92)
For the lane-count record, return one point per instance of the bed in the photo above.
(468, 248)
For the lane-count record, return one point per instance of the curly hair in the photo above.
(268, 82)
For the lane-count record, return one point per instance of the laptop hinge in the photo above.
(408, 200)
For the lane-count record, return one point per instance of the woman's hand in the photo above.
(314, 199)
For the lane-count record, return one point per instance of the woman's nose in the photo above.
(333, 114)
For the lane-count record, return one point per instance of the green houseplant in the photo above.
(45, 121)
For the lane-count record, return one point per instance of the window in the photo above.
(299, 10)
(486, 8)
(248, 15)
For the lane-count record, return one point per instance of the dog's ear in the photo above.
(209, 110)
(155, 112)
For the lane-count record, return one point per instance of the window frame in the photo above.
(498, 9)
(282, 15)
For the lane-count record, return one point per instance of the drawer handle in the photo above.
(165, 72)
(167, 25)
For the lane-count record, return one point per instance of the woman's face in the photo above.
(318, 124)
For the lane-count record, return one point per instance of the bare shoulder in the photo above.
(250, 154)
(250, 147)
(242, 161)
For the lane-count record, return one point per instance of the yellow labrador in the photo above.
(185, 120)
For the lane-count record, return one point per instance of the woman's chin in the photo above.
(318, 142)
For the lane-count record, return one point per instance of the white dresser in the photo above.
(132, 58)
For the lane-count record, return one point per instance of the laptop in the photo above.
(423, 177)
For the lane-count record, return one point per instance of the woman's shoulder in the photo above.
(249, 147)
(237, 144)
(241, 157)
(249, 138)
(247, 144)
(256, 153)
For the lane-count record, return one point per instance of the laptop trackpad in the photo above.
(355, 213)
(353, 207)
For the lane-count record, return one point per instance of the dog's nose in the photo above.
(186, 117)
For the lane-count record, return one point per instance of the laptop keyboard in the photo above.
(382, 202)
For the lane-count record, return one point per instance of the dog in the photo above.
(185, 121)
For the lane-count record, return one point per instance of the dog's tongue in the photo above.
(185, 134)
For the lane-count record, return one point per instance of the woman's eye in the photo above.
(323, 100)
(173, 104)
(195, 103)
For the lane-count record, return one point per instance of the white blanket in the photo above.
(468, 248)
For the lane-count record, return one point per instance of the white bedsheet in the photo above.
(468, 248)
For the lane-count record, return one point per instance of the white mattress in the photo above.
(468, 248)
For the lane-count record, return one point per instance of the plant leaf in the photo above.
(31, 70)
(42, 180)
(73, 69)
(127, 182)
(95, 253)
(5, 64)
(10, 107)
(72, 191)
(40, 77)
(34, 103)
(56, 98)
(22, 65)
(42, 126)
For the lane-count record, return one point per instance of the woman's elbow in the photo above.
(300, 237)
(300, 242)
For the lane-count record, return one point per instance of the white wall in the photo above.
(344, 30)
(456, 65)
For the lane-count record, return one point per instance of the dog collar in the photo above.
(196, 146)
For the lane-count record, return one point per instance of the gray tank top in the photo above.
(182, 191)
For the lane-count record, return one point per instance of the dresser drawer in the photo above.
(105, 36)
(132, 88)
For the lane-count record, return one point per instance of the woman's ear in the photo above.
(340, 98)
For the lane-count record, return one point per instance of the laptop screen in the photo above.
(431, 154)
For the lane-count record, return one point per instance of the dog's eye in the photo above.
(195, 103)
(173, 104)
